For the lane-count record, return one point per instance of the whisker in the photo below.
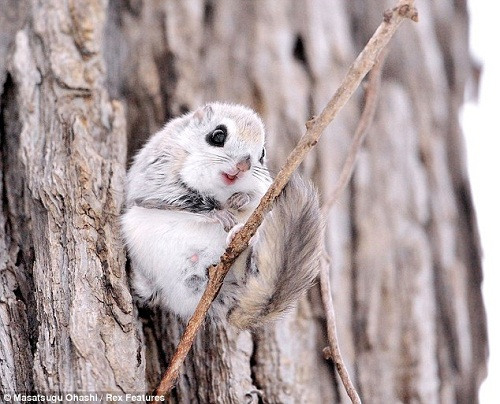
(271, 172)
(219, 157)
(260, 176)
(265, 171)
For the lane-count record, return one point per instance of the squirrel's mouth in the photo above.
(229, 179)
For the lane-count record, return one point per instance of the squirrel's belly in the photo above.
(170, 253)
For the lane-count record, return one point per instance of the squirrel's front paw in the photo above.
(238, 200)
(224, 217)
(233, 232)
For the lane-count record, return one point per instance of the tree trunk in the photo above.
(83, 76)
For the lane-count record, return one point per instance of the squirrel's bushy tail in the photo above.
(284, 259)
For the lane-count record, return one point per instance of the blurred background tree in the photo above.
(82, 79)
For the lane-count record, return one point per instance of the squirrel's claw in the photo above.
(224, 217)
(238, 200)
(233, 232)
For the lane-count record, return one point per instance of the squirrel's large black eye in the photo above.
(218, 136)
(261, 159)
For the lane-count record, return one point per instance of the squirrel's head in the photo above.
(224, 152)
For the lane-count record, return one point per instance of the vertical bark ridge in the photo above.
(71, 155)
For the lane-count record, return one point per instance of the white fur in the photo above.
(202, 164)
(202, 175)
(162, 243)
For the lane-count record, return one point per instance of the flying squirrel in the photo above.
(188, 190)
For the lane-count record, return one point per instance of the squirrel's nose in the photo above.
(244, 164)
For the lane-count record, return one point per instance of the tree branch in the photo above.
(315, 127)
(333, 351)
(365, 120)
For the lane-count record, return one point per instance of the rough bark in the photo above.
(69, 323)
(406, 272)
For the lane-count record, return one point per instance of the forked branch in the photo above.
(333, 351)
(315, 127)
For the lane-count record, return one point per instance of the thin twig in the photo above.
(333, 351)
(365, 120)
(315, 127)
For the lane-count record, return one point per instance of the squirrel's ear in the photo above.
(203, 114)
